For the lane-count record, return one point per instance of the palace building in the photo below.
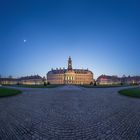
(108, 80)
(70, 75)
(26, 80)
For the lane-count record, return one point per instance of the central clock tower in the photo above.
(69, 64)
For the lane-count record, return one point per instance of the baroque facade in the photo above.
(70, 75)
(112, 80)
(31, 80)
(108, 80)
(27, 80)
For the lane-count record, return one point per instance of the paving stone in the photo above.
(70, 113)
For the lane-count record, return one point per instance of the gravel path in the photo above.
(70, 113)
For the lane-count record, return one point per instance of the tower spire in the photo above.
(69, 63)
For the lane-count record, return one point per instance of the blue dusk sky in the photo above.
(101, 35)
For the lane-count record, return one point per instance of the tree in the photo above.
(91, 83)
(95, 83)
(45, 84)
(48, 83)
(121, 83)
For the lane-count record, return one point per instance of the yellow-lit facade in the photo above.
(70, 75)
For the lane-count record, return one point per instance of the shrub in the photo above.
(48, 83)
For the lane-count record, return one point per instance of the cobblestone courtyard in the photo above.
(70, 113)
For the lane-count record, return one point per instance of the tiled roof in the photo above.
(114, 78)
(129, 78)
(62, 71)
(8, 79)
(30, 77)
(33, 77)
